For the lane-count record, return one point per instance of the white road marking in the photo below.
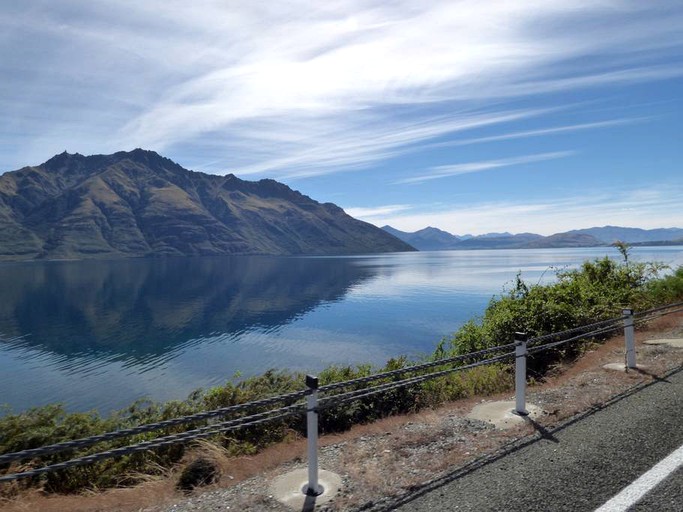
(648, 481)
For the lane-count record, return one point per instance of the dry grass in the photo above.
(394, 455)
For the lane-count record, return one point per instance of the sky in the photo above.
(468, 116)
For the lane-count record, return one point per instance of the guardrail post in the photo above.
(629, 336)
(313, 488)
(520, 373)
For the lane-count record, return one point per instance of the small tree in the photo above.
(623, 248)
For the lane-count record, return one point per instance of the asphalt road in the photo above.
(579, 466)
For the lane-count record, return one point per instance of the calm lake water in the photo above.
(100, 334)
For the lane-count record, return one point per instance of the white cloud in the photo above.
(444, 171)
(299, 89)
(539, 133)
(365, 140)
(378, 211)
(646, 208)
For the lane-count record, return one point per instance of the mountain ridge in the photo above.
(139, 203)
(590, 237)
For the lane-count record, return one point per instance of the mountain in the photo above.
(504, 234)
(427, 239)
(139, 203)
(499, 241)
(678, 241)
(432, 239)
(560, 240)
(611, 234)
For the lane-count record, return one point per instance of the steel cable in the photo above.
(332, 401)
(538, 339)
(541, 348)
(89, 441)
(653, 316)
(660, 308)
(415, 368)
(189, 435)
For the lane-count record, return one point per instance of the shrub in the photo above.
(598, 290)
(668, 289)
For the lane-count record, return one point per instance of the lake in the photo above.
(100, 334)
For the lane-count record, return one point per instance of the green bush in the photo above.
(598, 290)
(669, 289)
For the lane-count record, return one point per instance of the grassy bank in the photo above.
(597, 290)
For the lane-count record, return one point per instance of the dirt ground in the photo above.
(389, 458)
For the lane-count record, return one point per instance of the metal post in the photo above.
(313, 488)
(520, 374)
(629, 336)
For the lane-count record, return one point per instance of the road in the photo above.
(579, 466)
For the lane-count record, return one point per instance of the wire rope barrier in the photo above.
(522, 349)
(326, 403)
(660, 308)
(415, 368)
(587, 335)
(150, 427)
(189, 435)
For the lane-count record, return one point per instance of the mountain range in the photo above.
(139, 203)
(434, 239)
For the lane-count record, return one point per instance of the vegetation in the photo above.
(597, 290)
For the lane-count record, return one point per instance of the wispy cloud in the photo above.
(295, 89)
(365, 140)
(445, 171)
(540, 132)
(645, 208)
(378, 211)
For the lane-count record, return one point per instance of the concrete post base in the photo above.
(621, 367)
(289, 489)
(502, 414)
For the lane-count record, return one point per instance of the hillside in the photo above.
(427, 239)
(611, 234)
(560, 240)
(139, 203)
(432, 239)
(503, 241)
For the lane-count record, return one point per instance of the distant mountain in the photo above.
(678, 241)
(433, 239)
(427, 239)
(499, 241)
(565, 240)
(505, 234)
(610, 234)
(430, 239)
(139, 203)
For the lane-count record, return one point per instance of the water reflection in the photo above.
(143, 308)
(99, 334)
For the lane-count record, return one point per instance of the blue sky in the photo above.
(469, 116)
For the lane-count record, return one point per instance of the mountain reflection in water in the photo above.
(146, 308)
(100, 334)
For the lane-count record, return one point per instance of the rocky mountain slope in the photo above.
(139, 203)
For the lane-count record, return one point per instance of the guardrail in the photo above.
(294, 404)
